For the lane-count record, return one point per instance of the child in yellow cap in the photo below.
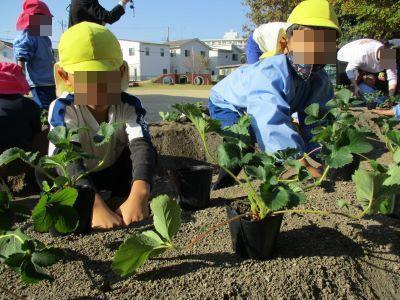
(89, 77)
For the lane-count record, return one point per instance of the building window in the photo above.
(131, 51)
(162, 52)
(165, 71)
(187, 53)
(147, 51)
(5, 54)
(235, 57)
(203, 53)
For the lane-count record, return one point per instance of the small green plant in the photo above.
(390, 102)
(371, 99)
(134, 252)
(336, 131)
(173, 116)
(27, 256)
(9, 211)
(55, 207)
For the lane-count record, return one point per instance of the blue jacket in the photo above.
(253, 51)
(397, 111)
(271, 92)
(39, 57)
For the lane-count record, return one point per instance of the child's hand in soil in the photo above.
(103, 217)
(383, 112)
(136, 207)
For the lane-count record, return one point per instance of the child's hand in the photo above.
(103, 217)
(136, 207)
(133, 211)
(383, 112)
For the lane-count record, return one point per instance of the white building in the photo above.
(225, 56)
(186, 56)
(146, 60)
(230, 38)
(6, 52)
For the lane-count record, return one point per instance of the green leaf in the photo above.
(340, 158)
(46, 257)
(393, 136)
(312, 110)
(396, 156)
(229, 155)
(394, 176)
(57, 211)
(134, 252)
(66, 197)
(203, 124)
(344, 95)
(274, 198)
(238, 133)
(104, 134)
(358, 142)
(167, 216)
(11, 242)
(342, 203)
(11, 155)
(31, 273)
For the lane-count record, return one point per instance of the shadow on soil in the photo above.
(195, 263)
(313, 241)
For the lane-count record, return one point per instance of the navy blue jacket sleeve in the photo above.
(253, 51)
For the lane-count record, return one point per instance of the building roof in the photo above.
(147, 43)
(230, 66)
(180, 43)
(6, 44)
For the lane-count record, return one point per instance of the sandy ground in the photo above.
(315, 258)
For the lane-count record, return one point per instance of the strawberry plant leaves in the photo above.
(238, 133)
(396, 156)
(229, 155)
(274, 198)
(344, 95)
(342, 203)
(134, 252)
(167, 216)
(105, 133)
(57, 211)
(26, 256)
(340, 158)
(13, 154)
(394, 137)
(371, 193)
(358, 142)
(394, 176)
(203, 124)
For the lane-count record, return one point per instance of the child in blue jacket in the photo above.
(33, 51)
(271, 90)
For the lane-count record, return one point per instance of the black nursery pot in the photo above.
(254, 239)
(193, 185)
(345, 173)
(396, 209)
(371, 105)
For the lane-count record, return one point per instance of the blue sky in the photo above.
(186, 18)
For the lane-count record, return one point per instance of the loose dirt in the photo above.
(316, 257)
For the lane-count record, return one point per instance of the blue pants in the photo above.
(44, 95)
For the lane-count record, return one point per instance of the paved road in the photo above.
(162, 100)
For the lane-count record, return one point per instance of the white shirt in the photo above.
(78, 116)
(362, 55)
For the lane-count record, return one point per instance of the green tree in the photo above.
(357, 18)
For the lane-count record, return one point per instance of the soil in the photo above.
(316, 257)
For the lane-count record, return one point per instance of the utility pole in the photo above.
(168, 34)
(62, 25)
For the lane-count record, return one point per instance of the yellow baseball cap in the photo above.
(318, 13)
(89, 47)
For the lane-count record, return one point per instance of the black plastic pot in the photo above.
(254, 239)
(396, 209)
(192, 185)
(371, 105)
(345, 173)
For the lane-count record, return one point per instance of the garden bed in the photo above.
(317, 257)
